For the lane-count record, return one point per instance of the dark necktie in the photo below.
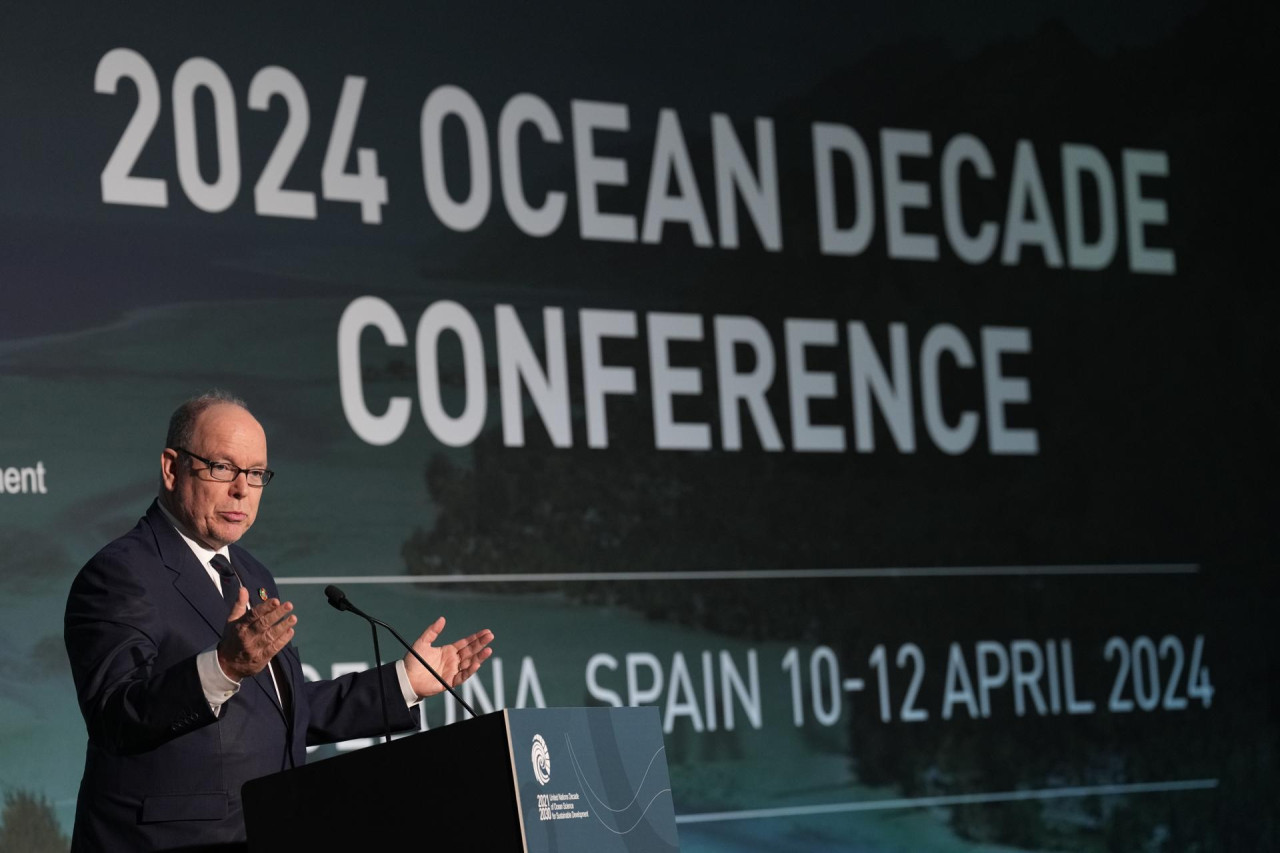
(228, 578)
(230, 582)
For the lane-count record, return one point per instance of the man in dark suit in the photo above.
(179, 646)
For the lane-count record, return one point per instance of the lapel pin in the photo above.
(262, 593)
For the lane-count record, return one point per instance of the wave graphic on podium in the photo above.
(628, 817)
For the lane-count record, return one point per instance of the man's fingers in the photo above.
(480, 657)
(282, 628)
(470, 666)
(433, 630)
(270, 611)
(264, 637)
(279, 614)
(475, 643)
(278, 644)
(472, 652)
(266, 626)
(242, 604)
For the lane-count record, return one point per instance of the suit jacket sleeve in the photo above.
(134, 694)
(351, 707)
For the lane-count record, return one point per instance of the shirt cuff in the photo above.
(213, 681)
(406, 689)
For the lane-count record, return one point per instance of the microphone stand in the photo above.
(339, 601)
(382, 688)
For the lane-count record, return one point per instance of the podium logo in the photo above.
(541, 760)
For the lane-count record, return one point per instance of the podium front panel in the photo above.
(592, 780)
(391, 796)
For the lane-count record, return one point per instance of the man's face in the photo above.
(216, 513)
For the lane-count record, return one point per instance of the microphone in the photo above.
(339, 601)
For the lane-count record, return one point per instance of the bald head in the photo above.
(182, 422)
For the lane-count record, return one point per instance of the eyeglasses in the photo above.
(226, 472)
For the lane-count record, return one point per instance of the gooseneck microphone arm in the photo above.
(382, 688)
(339, 601)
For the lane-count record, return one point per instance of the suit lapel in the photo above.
(191, 580)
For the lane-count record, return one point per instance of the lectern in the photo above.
(571, 780)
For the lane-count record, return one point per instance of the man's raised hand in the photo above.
(253, 637)
(456, 662)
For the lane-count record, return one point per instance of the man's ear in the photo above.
(168, 468)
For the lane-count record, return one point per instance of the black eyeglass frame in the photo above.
(213, 467)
